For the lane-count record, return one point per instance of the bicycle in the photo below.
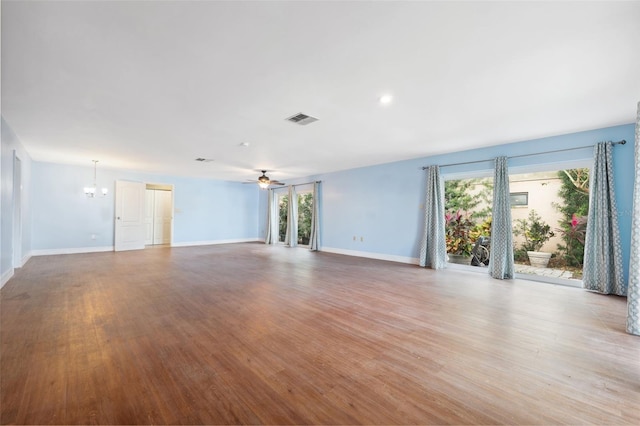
(480, 252)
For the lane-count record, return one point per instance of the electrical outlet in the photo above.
(361, 239)
(354, 238)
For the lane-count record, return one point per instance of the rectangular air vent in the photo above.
(301, 119)
(204, 160)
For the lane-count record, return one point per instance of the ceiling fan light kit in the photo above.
(264, 182)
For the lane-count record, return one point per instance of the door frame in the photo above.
(16, 255)
(170, 188)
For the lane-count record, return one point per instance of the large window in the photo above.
(549, 215)
(305, 208)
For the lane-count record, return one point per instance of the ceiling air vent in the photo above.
(301, 119)
(204, 160)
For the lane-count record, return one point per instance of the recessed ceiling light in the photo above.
(385, 99)
(244, 144)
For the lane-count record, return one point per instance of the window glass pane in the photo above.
(549, 229)
(305, 207)
(519, 198)
(468, 220)
(283, 207)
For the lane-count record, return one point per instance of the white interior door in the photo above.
(149, 208)
(129, 223)
(162, 217)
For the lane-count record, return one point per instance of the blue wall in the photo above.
(205, 210)
(383, 204)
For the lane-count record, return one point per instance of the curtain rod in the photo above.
(306, 183)
(299, 184)
(622, 142)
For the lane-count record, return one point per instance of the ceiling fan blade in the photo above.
(264, 180)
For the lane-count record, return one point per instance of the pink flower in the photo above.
(574, 221)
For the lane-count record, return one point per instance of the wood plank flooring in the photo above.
(253, 334)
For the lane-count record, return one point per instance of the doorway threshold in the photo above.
(547, 279)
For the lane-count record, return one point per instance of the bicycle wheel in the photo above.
(483, 255)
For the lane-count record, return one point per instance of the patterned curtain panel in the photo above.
(315, 219)
(633, 291)
(291, 237)
(433, 250)
(272, 231)
(602, 269)
(501, 264)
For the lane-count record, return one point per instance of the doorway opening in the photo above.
(158, 217)
(305, 209)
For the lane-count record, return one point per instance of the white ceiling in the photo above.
(151, 86)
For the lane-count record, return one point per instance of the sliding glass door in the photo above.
(305, 207)
(549, 210)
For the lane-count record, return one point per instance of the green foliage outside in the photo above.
(535, 231)
(305, 208)
(468, 213)
(458, 227)
(458, 196)
(282, 219)
(573, 205)
(481, 229)
(574, 193)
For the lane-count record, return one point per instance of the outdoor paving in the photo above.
(545, 272)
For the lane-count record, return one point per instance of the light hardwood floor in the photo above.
(248, 333)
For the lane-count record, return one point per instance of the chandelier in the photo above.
(92, 191)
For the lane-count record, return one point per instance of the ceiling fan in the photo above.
(264, 181)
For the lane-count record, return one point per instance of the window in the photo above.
(283, 207)
(305, 209)
(519, 199)
(552, 221)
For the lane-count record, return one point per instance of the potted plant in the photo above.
(458, 227)
(536, 232)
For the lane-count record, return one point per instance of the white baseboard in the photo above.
(378, 256)
(213, 242)
(25, 259)
(6, 277)
(48, 252)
